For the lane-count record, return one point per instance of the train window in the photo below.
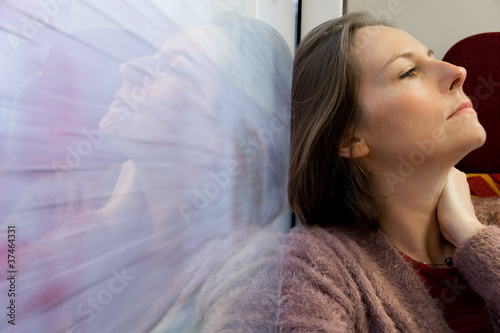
(144, 163)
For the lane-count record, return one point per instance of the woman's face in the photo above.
(167, 100)
(409, 101)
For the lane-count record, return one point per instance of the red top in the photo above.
(463, 308)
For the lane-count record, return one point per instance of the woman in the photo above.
(392, 242)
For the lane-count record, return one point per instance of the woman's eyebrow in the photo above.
(407, 55)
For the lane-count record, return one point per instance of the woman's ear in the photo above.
(354, 148)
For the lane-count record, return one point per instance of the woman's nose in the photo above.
(454, 77)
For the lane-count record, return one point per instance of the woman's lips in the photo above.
(464, 107)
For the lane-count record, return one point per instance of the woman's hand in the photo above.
(455, 212)
(126, 199)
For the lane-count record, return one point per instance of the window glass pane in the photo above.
(144, 163)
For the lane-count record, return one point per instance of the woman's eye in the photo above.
(410, 73)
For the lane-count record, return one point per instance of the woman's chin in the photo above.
(474, 141)
(478, 137)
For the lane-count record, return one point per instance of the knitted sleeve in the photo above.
(314, 293)
(242, 294)
(478, 259)
(487, 210)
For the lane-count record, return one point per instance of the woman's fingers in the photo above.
(455, 211)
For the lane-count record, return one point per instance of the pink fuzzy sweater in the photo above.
(345, 280)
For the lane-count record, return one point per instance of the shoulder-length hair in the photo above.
(325, 188)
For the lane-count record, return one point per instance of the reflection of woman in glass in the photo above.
(393, 243)
(201, 123)
(204, 123)
(206, 131)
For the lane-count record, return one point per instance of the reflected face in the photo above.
(411, 100)
(161, 94)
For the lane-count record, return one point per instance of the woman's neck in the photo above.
(408, 217)
(157, 190)
(138, 190)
